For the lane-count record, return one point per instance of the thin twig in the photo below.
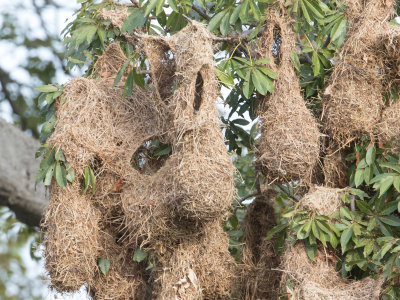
(255, 194)
(201, 12)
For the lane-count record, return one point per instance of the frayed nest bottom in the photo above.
(198, 269)
(72, 238)
(320, 281)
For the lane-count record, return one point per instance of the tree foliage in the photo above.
(365, 233)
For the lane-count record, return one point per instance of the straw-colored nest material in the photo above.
(363, 72)
(389, 127)
(257, 279)
(335, 167)
(195, 184)
(198, 269)
(289, 142)
(124, 279)
(110, 62)
(116, 16)
(320, 281)
(72, 238)
(164, 204)
(95, 123)
(323, 200)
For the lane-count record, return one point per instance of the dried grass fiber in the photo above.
(257, 279)
(320, 281)
(363, 71)
(173, 206)
(289, 143)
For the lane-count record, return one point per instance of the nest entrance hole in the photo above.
(166, 73)
(198, 94)
(150, 156)
(276, 45)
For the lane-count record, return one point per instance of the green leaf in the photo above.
(216, 20)
(338, 29)
(138, 78)
(70, 173)
(396, 183)
(235, 15)
(242, 122)
(359, 177)
(163, 150)
(104, 265)
(61, 175)
(159, 7)
(385, 184)
(394, 167)
(139, 255)
(345, 238)
(128, 87)
(268, 72)
(92, 180)
(173, 5)
(59, 155)
(90, 32)
(258, 81)
(363, 206)
(49, 174)
(314, 9)
(135, 19)
(47, 88)
(86, 180)
(225, 78)
(225, 26)
(305, 13)
(370, 156)
(275, 230)
(247, 86)
(390, 220)
(150, 6)
(121, 72)
(316, 64)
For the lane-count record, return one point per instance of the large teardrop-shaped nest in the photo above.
(364, 70)
(165, 204)
(289, 144)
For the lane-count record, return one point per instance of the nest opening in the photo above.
(198, 94)
(276, 45)
(150, 156)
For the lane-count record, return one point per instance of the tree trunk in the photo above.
(17, 169)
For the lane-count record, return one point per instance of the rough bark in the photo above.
(17, 170)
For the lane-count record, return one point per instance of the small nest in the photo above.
(72, 238)
(352, 102)
(258, 279)
(116, 16)
(320, 281)
(110, 62)
(289, 142)
(198, 269)
(323, 200)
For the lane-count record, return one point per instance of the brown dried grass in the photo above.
(198, 269)
(363, 72)
(323, 200)
(257, 279)
(124, 280)
(289, 143)
(319, 280)
(72, 238)
(167, 206)
(335, 167)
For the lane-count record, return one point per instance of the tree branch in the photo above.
(17, 169)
